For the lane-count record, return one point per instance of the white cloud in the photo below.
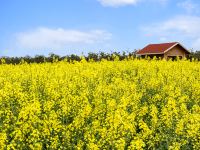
(189, 6)
(179, 28)
(116, 3)
(196, 44)
(46, 38)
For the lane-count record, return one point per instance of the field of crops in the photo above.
(130, 104)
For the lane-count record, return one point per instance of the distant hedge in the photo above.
(70, 58)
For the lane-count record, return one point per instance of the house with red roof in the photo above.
(164, 50)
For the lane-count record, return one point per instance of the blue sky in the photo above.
(30, 27)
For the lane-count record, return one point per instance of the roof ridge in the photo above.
(158, 48)
(163, 43)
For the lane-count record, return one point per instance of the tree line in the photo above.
(70, 58)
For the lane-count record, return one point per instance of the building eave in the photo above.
(151, 54)
(176, 45)
(170, 47)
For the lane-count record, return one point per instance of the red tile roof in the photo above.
(156, 48)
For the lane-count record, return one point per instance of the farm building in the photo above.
(164, 50)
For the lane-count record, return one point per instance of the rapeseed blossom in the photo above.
(129, 104)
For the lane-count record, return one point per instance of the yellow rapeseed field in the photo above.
(130, 104)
